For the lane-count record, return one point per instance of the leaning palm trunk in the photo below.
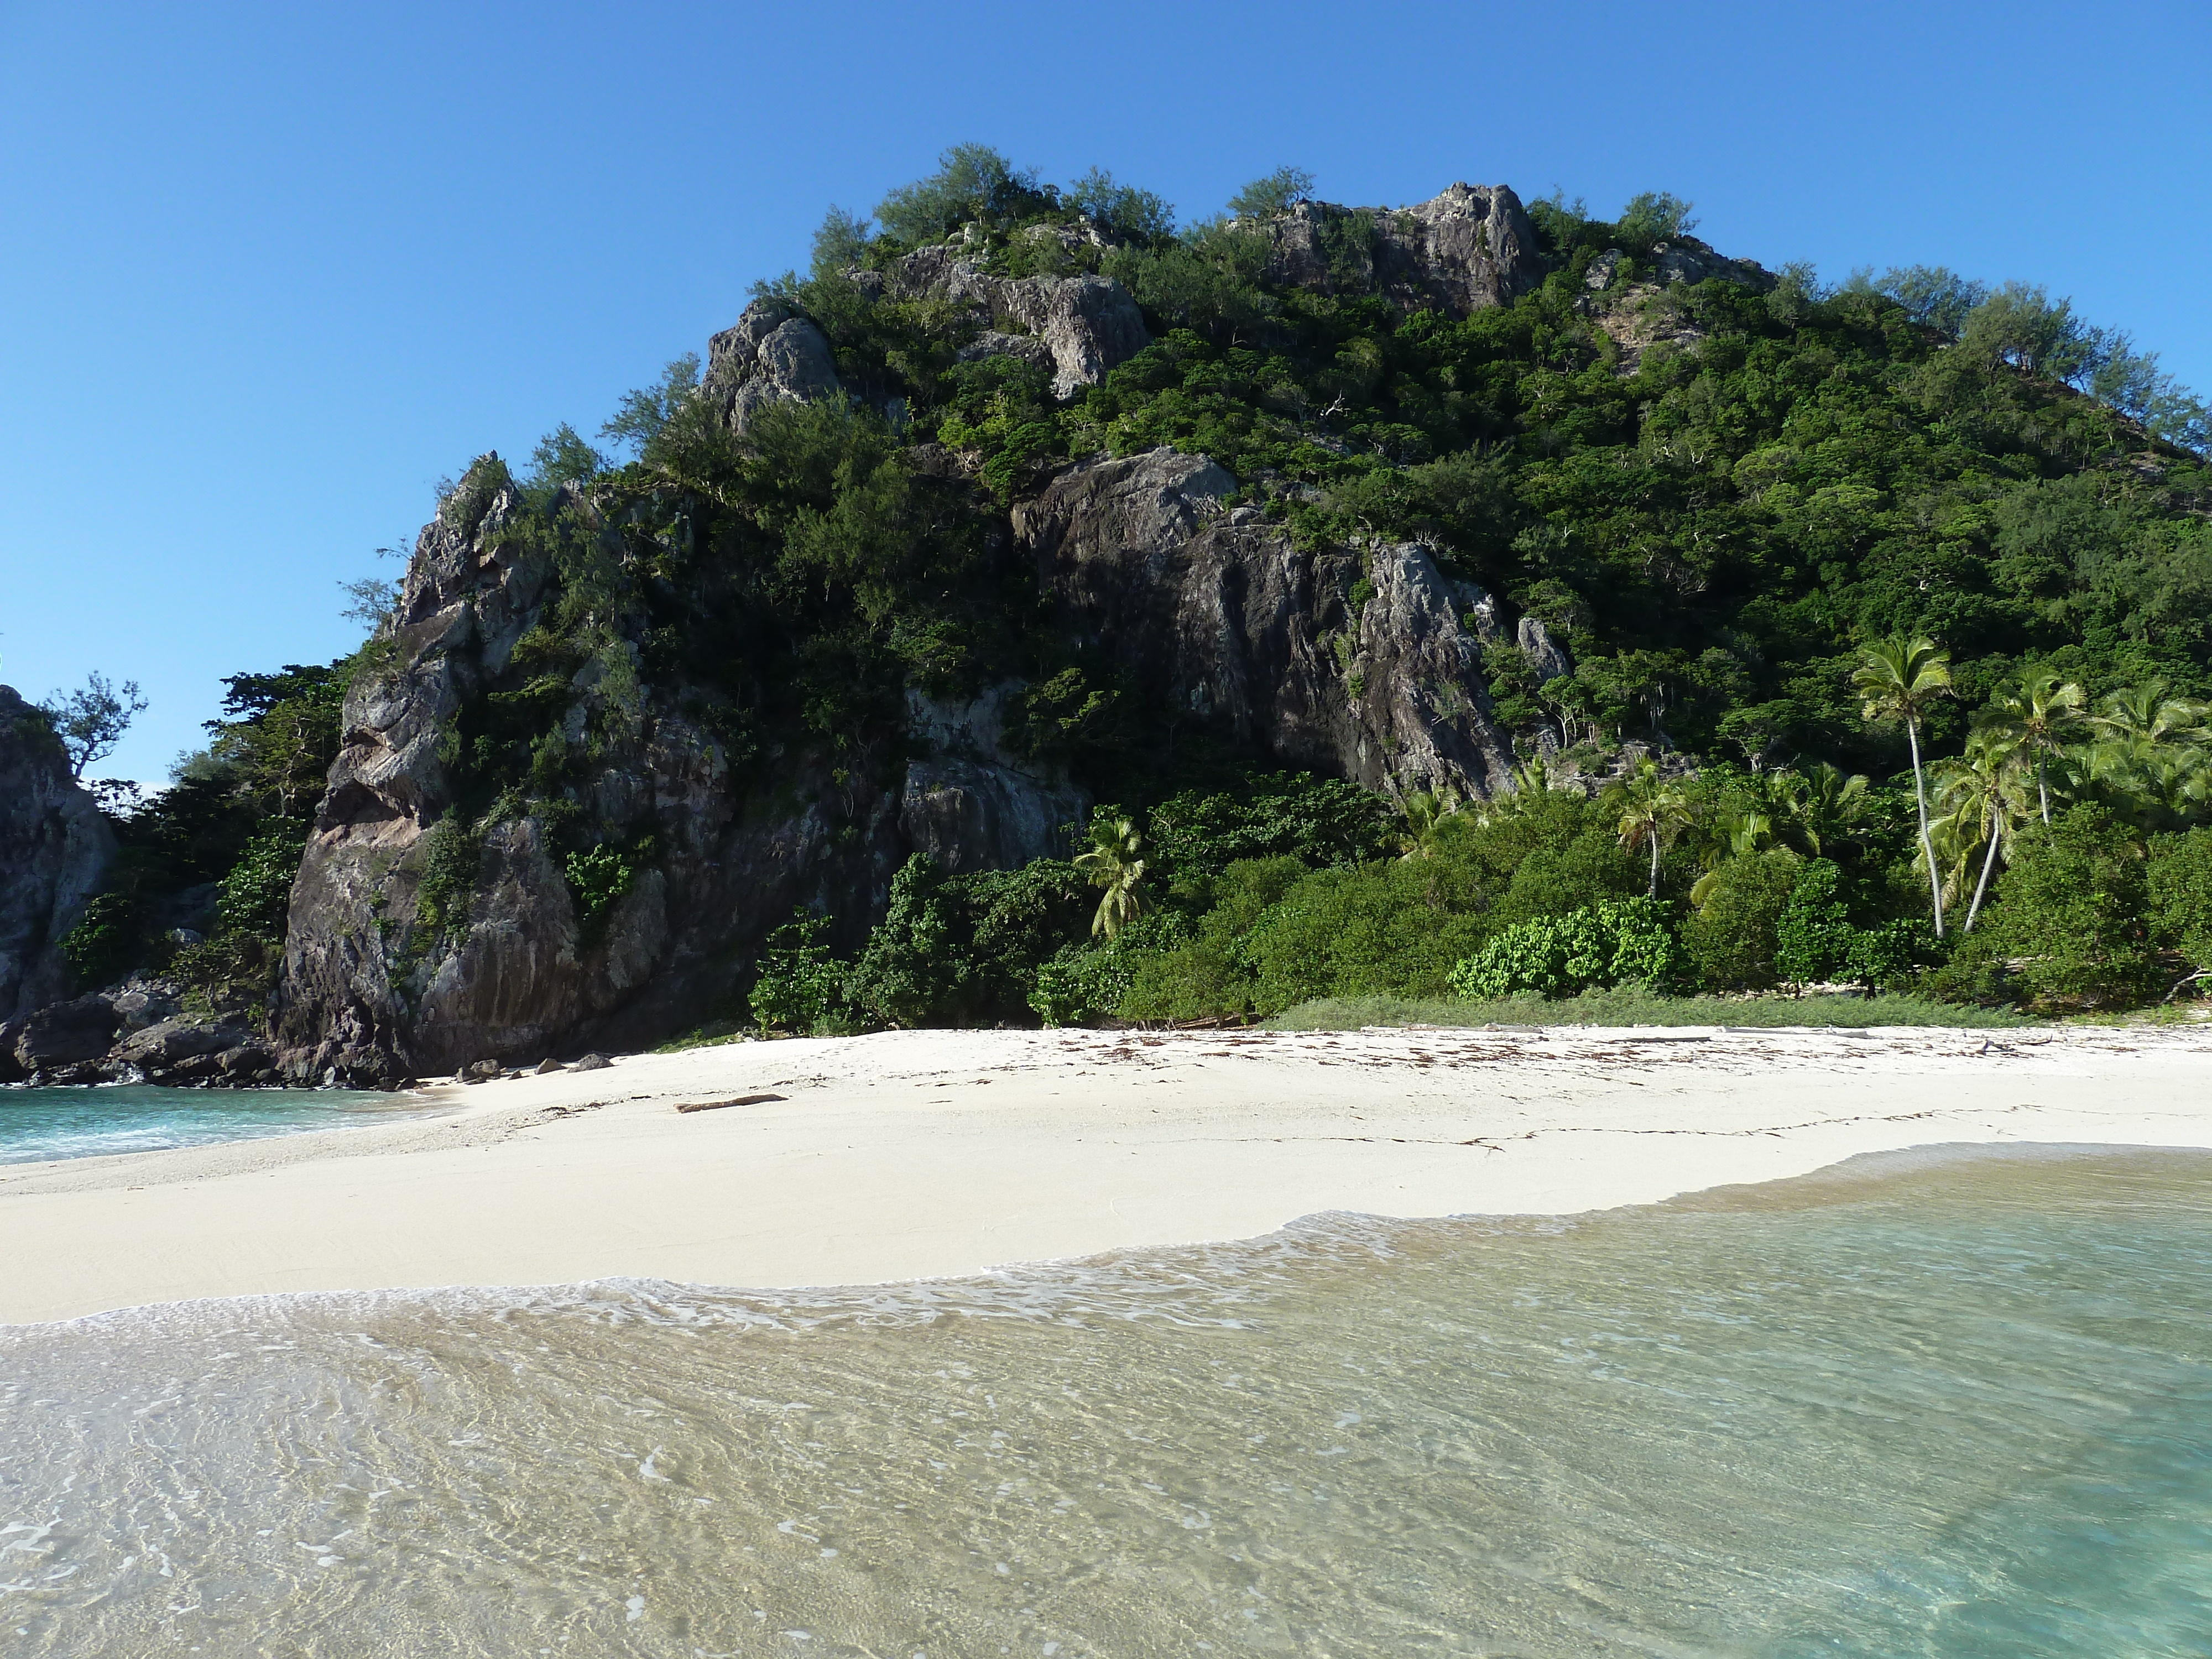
(1654, 861)
(1988, 863)
(1927, 844)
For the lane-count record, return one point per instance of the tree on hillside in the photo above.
(92, 720)
(1900, 679)
(1278, 192)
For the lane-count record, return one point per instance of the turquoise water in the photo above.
(37, 1124)
(1955, 1405)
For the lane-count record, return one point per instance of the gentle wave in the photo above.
(1939, 1404)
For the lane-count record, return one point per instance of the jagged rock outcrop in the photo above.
(970, 804)
(1361, 664)
(136, 1032)
(1468, 247)
(375, 989)
(55, 848)
(775, 353)
(1079, 326)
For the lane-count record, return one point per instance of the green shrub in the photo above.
(1090, 980)
(2068, 926)
(966, 949)
(799, 987)
(1611, 943)
(1734, 938)
(1896, 955)
(453, 858)
(103, 943)
(2179, 885)
(600, 878)
(1815, 940)
(256, 893)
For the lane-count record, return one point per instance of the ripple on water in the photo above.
(1953, 1406)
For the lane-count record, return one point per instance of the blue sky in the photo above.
(270, 271)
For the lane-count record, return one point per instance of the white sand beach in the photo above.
(909, 1155)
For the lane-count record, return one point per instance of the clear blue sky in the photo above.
(270, 271)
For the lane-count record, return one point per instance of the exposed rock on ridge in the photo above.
(1260, 643)
(55, 848)
(1083, 326)
(773, 354)
(1468, 247)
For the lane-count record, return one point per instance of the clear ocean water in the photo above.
(36, 1124)
(1944, 1404)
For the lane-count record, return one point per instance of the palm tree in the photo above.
(1820, 804)
(1900, 679)
(1654, 812)
(2037, 717)
(1114, 865)
(2149, 752)
(1982, 797)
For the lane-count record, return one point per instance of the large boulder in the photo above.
(61, 1034)
(55, 848)
(773, 354)
(1365, 663)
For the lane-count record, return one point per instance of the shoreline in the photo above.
(919, 1155)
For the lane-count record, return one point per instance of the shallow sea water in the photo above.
(37, 1124)
(1956, 1404)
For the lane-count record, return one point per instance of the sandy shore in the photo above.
(916, 1154)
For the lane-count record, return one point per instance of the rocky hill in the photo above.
(1021, 505)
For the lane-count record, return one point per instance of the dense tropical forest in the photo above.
(1900, 587)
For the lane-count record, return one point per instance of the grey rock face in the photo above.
(372, 993)
(1468, 247)
(64, 1034)
(55, 848)
(1541, 651)
(773, 354)
(969, 803)
(1084, 325)
(1258, 642)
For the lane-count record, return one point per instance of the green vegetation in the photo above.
(204, 870)
(1636, 1007)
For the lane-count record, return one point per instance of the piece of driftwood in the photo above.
(717, 1105)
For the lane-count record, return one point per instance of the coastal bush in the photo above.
(1611, 942)
(254, 898)
(798, 987)
(1634, 1005)
(1734, 939)
(1815, 940)
(2070, 928)
(967, 949)
(105, 942)
(2177, 883)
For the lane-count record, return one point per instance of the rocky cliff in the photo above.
(1362, 663)
(419, 942)
(55, 848)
